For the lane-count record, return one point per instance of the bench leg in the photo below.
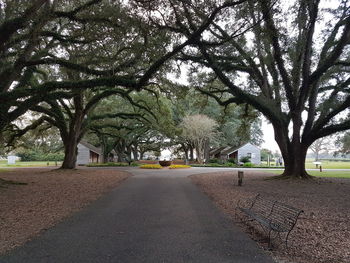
(269, 239)
(287, 239)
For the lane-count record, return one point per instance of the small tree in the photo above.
(320, 145)
(199, 129)
(265, 153)
(343, 144)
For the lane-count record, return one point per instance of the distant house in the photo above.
(236, 153)
(87, 153)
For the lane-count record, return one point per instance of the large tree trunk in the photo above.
(294, 162)
(128, 152)
(73, 135)
(135, 152)
(185, 149)
(104, 148)
(104, 155)
(293, 153)
(120, 158)
(141, 155)
(119, 149)
(206, 151)
(70, 153)
(191, 153)
(200, 153)
(186, 155)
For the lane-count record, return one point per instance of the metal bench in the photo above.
(273, 216)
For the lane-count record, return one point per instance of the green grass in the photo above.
(333, 174)
(325, 164)
(329, 165)
(27, 164)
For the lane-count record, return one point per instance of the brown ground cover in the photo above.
(48, 197)
(322, 233)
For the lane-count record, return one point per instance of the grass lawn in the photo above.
(329, 165)
(27, 164)
(334, 174)
(325, 164)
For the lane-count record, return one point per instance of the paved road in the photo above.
(154, 216)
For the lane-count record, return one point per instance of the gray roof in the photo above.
(230, 150)
(91, 147)
(217, 150)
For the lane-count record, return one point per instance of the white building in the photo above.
(236, 153)
(87, 153)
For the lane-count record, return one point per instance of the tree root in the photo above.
(290, 177)
(4, 183)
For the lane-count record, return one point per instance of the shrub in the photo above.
(31, 155)
(165, 163)
(208, 165)
(178, 166)
(245, 159)
(231, 160)
(151, 166)
(248, 164)
(215, 160)
(110, 164)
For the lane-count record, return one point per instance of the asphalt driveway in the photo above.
(154, 216)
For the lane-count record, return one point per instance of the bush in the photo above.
(151, 166)
(245, 159)
(248, 164)
(110, 164)
(165, 163)
(231, 160)
(215, 165)
(40, 156)
(215, 160)
(179, 166)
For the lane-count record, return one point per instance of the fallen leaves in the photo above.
(48, 197)
(322, 234)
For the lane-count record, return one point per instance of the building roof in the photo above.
(91, 147)
(217, 150)
(229, 150)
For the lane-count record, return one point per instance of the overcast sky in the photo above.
(269, 136)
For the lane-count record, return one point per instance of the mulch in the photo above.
(46, 198)
(322, 233)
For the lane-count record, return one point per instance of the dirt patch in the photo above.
(47, 198)
(322, 233)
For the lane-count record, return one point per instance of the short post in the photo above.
(48, 164)
(240, 178)
(320, 168)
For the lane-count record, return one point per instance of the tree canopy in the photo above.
(288, 60)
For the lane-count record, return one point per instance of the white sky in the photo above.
(269, 136)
